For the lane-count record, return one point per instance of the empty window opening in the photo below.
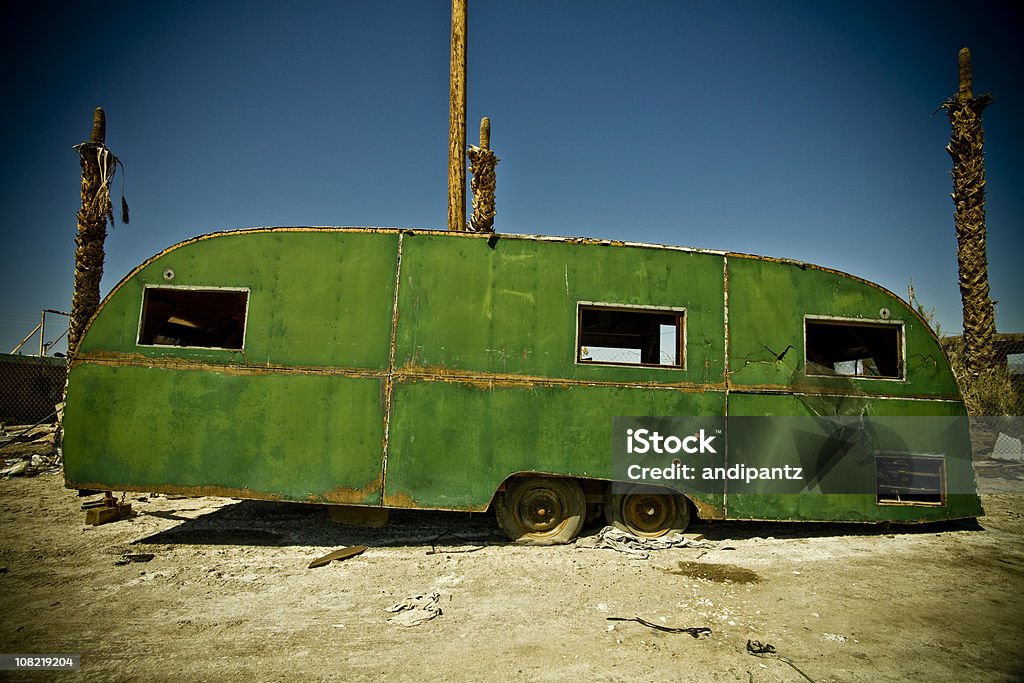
(910, 479)
(617, 336)
(205, 318)
(853, 349)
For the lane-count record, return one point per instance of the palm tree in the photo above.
(98, 167)
(966, 149)
(481, 164)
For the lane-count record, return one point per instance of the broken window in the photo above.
(853, 349)
(910, 479)
(205, 318)
(630, 336)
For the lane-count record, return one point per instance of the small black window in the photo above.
(853, 349)
(910, 479)
(207, 318)
(630, 336)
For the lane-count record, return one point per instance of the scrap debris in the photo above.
(759, 649)
(755, 647)
(695, 631)
(433, 545)
(415, 610)
(1008, 448)
(28, 450)
(340, 554)
(639, 547)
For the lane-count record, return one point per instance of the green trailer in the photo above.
(418, 369)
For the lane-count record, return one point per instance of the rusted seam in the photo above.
(389, 379)
(211, 490)
(138, 360)
(478, 379)
(408, 373)
(487, 380)
(831, 391)
(725, 373)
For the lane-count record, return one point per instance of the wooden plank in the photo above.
(341, 554)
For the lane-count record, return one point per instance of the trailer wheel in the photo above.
(541, 510)
(643, 512)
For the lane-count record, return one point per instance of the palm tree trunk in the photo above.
(98, 166)
(481, 164)
(966, 149)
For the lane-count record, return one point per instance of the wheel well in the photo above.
(596, 491)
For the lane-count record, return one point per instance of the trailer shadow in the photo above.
(266, 523)
(271, 523)
(744, 530)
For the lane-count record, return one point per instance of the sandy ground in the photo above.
(227, 596)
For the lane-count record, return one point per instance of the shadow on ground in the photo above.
(263, 523)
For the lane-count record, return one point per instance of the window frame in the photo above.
(680, 313)
(192, 288)
(910, 458)
(901, 360)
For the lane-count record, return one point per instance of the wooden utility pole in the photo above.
(966, 148)
(98, 167)
(457, 120)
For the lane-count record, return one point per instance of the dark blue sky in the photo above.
(794, 129)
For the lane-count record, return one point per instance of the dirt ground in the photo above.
(227, 596)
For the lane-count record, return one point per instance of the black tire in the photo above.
(541, 510)
(643, 511)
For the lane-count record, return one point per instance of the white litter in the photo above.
(415, 610)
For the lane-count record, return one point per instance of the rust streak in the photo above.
(348, 495)
(401, 499)
(389, 380)
(486, 380)
(838, 391)
(407, 373)
(707, 511)
(118, 359)
(193, 491)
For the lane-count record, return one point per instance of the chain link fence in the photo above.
(30, 388)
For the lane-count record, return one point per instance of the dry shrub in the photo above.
(993, 392)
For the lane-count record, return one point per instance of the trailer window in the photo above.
(910, 479)
(621, 336)
(205, 318)
(853, 349)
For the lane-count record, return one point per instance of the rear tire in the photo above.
(643, 512)
(541, 510)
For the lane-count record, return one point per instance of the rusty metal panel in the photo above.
(303, 437)
(316, 298)
(768, 301)
(453, 443)
(931, 427)
(509, 305)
